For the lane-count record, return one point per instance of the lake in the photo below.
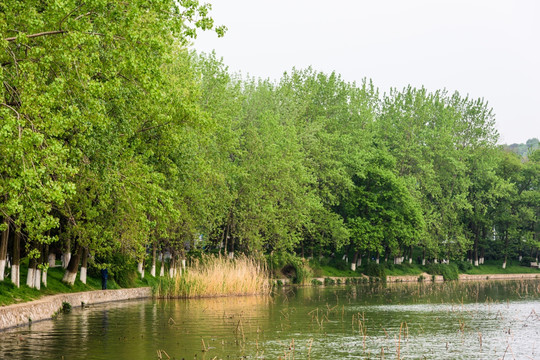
(451, 320)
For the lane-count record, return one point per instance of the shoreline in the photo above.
(425, 277)
(46, 308)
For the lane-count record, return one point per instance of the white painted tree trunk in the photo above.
(44, 278)
(65, 259)
(2, 269)
(353, 266)
(171, 272)
(30, 278)
(504, 265)
(140, 268)
(435, 261)
(359, 261)
(476, 263)
(424, 262)
(231, 255)
(410, 260)
(377, 260)
(162, 270)
(52, 260)
(482, 260)
(69, 277)
(37, 279)
(15, 275)
(183, 263)
(153, 270)
(83, 275)
(520, 257)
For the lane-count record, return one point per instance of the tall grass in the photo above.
(217, 276)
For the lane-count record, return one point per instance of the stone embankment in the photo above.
(425, 277)
(47, 307)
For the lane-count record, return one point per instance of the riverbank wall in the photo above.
(425, 277)
(46, 307)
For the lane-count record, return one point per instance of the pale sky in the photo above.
(484, 48)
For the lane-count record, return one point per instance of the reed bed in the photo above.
(213, 276)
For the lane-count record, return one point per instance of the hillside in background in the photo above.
(523, 149)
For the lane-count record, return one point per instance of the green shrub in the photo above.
(448, 271)
(375, 270)
(463, 266)
(123, 269)
(527, 260)
(66, 307)
(339, 264)
(290, 265)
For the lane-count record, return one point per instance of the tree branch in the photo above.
(45, 33)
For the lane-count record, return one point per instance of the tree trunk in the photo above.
(172, 265)
(140, 268)
(30, 278)
(52, 259)
(482, 258)
(84, 265)
(44, 260)
(231, 252)
(410, 254)
(15, 270)
(226, 238)
(72, 268)
(424, 257)
(162, 269)
(476, 240)
(377, 259)
(3, 250)
(505, 250)
(153, 269)
(354, 262)
(37, 271)
(66, 256)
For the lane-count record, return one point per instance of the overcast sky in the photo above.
(484, 48)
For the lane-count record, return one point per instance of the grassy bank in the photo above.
(338, 268)
(10, 294)
(217, 276)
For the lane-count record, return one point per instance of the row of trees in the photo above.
(114, 138)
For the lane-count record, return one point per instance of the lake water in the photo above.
(455, 320)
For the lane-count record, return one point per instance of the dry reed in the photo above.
(218, 276)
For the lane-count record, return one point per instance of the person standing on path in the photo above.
(104, 276)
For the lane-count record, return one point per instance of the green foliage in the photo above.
(291, 266)
(372, 269)
(448, 271)
(117, 138)
(123, 270)
(66, 307)
(463, 266)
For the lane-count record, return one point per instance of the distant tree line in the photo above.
(114, 139)
(524, 149)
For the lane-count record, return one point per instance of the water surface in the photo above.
(466, 320)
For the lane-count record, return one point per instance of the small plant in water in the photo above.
(66, 307)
